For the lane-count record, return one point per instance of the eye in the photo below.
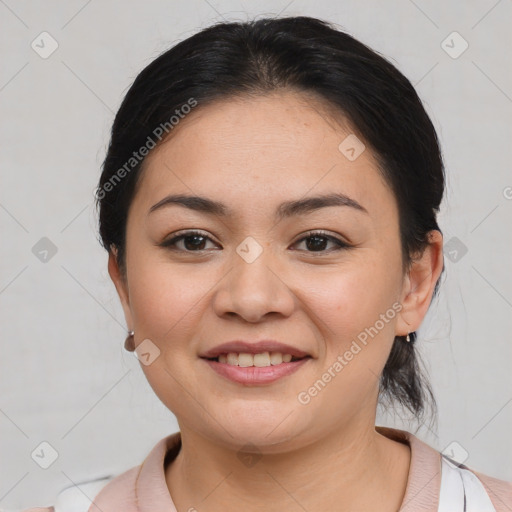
(193, 241)
(317, 240)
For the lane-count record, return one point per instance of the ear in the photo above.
(121, 285)
(419, 284)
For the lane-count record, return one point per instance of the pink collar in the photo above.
(144, 488)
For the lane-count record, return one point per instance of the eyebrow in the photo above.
(285, 209)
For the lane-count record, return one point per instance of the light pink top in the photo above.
(143, 488)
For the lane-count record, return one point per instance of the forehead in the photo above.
(256, 150)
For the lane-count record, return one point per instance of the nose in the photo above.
(254, 289)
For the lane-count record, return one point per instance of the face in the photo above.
(317, 277)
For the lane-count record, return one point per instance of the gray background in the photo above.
(65, 377)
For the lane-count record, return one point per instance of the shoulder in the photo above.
(40, 509)
(119, 491)
(499, 491)
(103, 492)
(436, 478)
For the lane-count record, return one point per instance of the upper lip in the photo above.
(257, 347)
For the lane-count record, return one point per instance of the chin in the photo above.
(269, 429)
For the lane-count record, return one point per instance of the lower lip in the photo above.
(254, 375)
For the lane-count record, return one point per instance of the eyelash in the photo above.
(171, 243)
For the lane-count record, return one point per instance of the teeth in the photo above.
(261, 360)
(232, 359)
(276, 358)
(245, 360)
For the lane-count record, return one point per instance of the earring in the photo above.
(408, 338)
(129, 343)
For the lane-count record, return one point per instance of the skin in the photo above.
(252, 154)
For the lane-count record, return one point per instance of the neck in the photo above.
(353, 469)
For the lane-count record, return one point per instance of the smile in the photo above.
(261, 360)
(255, 369)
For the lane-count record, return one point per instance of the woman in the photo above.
(268, 202)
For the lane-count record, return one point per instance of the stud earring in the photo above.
(129, 343)
(408, 338)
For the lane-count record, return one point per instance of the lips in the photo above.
(258, 347)
(256, 376)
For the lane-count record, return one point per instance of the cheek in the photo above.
(356, 303)
(166, 298)
(354, 311)
(167, 309)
